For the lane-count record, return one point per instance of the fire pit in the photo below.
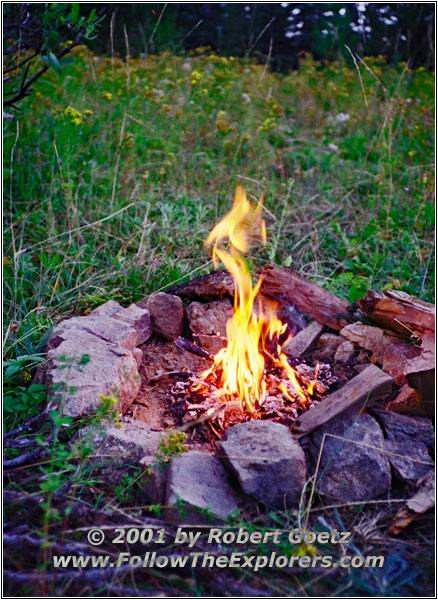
(237, 365)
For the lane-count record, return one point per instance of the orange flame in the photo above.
(250, 333)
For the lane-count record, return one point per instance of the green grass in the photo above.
(159, 154)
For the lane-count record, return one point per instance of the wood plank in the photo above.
(364, 389)
(287, 286)
(303, 340)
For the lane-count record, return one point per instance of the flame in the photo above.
(252, 334)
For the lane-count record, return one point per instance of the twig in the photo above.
(183, 374)
(184, 344)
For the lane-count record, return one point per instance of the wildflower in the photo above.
(333, 147)
(74, 115)
(107, 96)
(268, 124)
(88, 112)
(195, 77)
(342, 117)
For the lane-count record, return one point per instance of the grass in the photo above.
(116, 170)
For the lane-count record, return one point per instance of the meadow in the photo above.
(115, 170)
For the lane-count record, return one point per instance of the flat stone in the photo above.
(108, 309)
(400, 428)
(329, 339)
(344, 352)
(303, 340)
(101, 326)
(208, 322)
(83, 366)
(139, 319)
(198, 480)
(407, 402)
(410, 460)
(267, 461)
(167, 314)
(352, 464)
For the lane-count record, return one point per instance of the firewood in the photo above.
(421, 502)
(206, 287)
(287, 286)
(303, 340)
(400, 358)
(361, 391)
(193, 348)
(398, 311)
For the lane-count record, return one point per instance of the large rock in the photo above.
(101, 326)
(198, 480)
(167, 314)
(352, 463)
(267, 461)
(83, 366)
(402, 428)
(116, 446)
(208, 323)
(409, 460)
(138, 319)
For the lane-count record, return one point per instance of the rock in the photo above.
(137, 318)
(207, 321)
(114, 446)
(108, 309)
(329, 339)
(354, 468)
(344, 352)
(198, 480)
(154, 481)
(167, 314)
(409, 460)
(83, 366)
(138, 355)
(302, 341)
(400, 428)
(407, 402)
(421, 502)
(267, 461)
(102, 327)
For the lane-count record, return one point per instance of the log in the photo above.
(361, 391)
(204, 288)
(399, 311)
(287, 286)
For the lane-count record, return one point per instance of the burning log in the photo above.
(286, 285)
(364, 389)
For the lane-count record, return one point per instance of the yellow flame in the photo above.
(241, 363)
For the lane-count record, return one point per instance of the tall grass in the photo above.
(115, 171)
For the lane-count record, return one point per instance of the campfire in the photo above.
(251, 373)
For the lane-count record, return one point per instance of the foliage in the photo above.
(169, 446)
(34, 31)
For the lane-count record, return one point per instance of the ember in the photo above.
(252, 367)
